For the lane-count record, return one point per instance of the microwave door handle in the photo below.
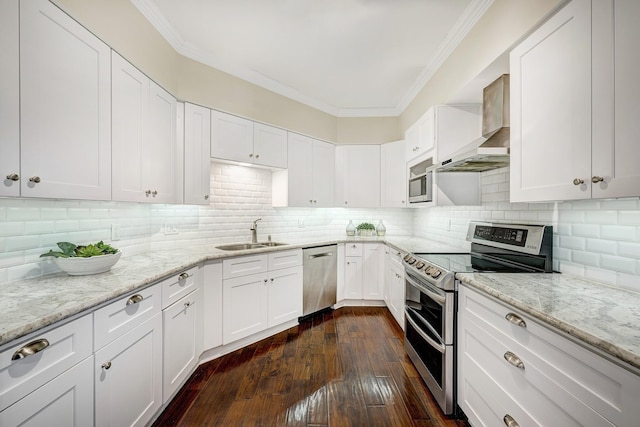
(427, 338)
(434, 296)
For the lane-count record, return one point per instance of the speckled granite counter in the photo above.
(605, 317)
(28, 305)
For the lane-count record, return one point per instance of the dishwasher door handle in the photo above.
(320, 255)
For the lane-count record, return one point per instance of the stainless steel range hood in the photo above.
(491, 151)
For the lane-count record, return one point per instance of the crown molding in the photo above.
(471, 15)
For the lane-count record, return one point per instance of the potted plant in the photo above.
(80, 260)
(366, 229)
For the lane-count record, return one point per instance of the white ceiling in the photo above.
(349, 58)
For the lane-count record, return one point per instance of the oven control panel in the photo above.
(425, 270)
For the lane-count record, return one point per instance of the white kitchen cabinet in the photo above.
(9, 98)
(128, 376)
(197, 162)
(67, 400)
(573, 130)
(308, 180)
(419, 137)
(396, 285)
(65, 107)
(512, 367)
(241, 140)
(179, 285)
(357, 182)
(182, 328)
(393, 173)
(144, 137)
(212, 286)
(364, 272)
(260, 292)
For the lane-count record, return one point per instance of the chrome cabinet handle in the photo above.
(135, 299)
(13, 177)
(187, 304)
(206, 197)
(516, 320)
(509, 421)
(35, 179)
(30, 349)
(596, 179)
(578, 181)
(106, 365)
(183, 276)
(514, 360)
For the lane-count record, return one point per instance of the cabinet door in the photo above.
(358, 177)
(551, 108)
(212, 304)
(393, 169)
(9, 99)
(616, 90)
(396, 293)
(128, 377)
(323, 171)
(300, 171)
(411, 137)
(231, 137)
(285, 295)
(182, 328)
(245, 306)
(372, 270)
(65, 106)
(67, 400)
(269, 146)
(455, 127)
(353, 278)
(197, 162)
(130, 104)
(160, 146)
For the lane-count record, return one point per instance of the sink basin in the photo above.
(245, 246)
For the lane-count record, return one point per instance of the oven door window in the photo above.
(426, 311)
(432, 357)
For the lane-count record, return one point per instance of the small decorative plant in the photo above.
(366, 229)
(70, 250)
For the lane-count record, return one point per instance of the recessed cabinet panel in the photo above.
(269, 146)
(393, 169)
(197, 163)
(231, 137)
(65, 106)
(9, 99)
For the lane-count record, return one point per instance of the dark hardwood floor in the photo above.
(341, 368)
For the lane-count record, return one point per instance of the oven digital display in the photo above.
(509, 236)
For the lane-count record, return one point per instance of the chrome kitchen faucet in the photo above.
(254, 231)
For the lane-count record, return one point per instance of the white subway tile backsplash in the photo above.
(617, 263)
(585, 258)
(630, 217)
(630, 250)
(585, 230)
(615, 232)
(602, 246)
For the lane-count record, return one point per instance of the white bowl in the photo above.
(79, 266)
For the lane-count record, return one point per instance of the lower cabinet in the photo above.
(396, 286)
(515, 371)
(364, 271)
(258, 301)
(128, 376)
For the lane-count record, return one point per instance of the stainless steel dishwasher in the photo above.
(320, 278)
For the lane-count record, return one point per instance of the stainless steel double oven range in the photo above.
(431, 297)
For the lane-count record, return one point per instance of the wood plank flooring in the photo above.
(341, 368)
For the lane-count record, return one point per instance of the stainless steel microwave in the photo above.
(421, 188)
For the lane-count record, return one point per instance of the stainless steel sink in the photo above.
(245, 246)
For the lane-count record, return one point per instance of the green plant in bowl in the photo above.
(81, 260)
(71, 250)
(366, 229)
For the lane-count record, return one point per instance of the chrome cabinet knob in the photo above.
(257, 155)
(154, 193)
(35, 179)
(148, 193)
(596, 179)
(251, 155)
(578, 181)
(106, 365)
(183, 276)
(13, 177)
(206, 197)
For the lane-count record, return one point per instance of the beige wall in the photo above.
(504, 23)
(124, 28)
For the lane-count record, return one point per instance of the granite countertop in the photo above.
(605, 317)
(28, 305)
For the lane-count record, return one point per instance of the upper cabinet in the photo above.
(357, 176)
(393, 170)
(9, 99)
(308, 179)
(419, 137)
(197, 164)
(241, 140)
(65, 106)
(144, 137)
(573, 97)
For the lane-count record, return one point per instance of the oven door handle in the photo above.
(434, 296)
(438, 346)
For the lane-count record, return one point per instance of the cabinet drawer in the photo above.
(395, 257)
(285, 259)
(353, 249)
(62, 347)
(178, 286)
(243, 266)
(121, 316)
